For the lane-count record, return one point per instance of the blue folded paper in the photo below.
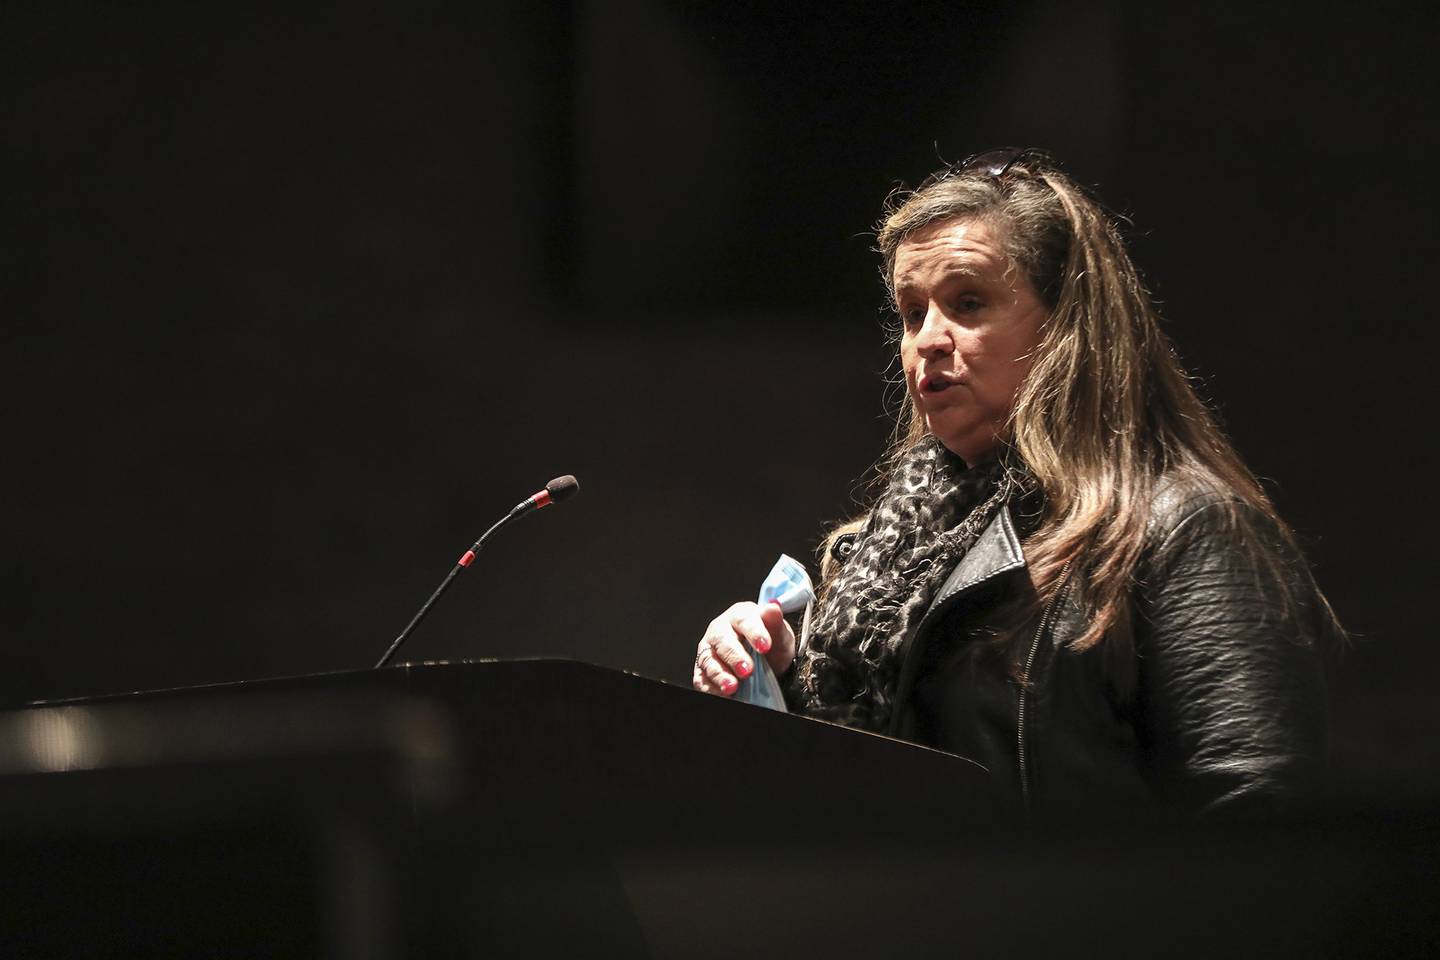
(789, 587)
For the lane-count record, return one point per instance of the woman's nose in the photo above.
(934, 339)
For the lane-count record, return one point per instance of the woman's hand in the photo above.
(722, 661)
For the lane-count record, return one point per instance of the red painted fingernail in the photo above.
(727, 684)
(743, 668)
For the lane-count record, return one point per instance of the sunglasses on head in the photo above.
(996, 163)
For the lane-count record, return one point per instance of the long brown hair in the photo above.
(1106, 411)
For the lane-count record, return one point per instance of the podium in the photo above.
(547, 807)
(440, 809)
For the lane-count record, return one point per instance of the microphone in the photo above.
(556, 490)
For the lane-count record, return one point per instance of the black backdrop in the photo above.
(299, 300)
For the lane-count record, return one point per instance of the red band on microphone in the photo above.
(469, 556)
(541, 499)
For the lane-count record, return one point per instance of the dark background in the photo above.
(297, 303)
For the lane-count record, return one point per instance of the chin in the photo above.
(969, 447)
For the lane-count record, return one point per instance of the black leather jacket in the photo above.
(1219, 706)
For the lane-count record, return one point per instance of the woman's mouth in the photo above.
(934, 383)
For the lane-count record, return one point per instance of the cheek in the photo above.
(1023, 350)
(995, 370)
(909, 360)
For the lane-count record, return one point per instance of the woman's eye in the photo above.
(968, 304)
(913, 317)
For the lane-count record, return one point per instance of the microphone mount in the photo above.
(556, 490)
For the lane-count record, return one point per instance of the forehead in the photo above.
(958, 244)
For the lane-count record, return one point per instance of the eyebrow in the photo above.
(947, 273)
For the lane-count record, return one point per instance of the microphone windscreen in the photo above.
(562, 487)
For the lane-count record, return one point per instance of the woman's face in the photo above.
(971, 322)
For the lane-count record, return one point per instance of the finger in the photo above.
(714, 672)
(782, 653)
(725, 645)
(748, 624)
(773, 619)
(699, 682)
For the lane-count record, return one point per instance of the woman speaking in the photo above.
(1069, 575)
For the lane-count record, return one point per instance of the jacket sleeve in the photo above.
(1230, 690)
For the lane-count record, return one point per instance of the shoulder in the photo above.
(1211, 552)
(1179, 498)
(1187, 511)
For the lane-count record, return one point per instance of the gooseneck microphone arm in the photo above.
(555, 491)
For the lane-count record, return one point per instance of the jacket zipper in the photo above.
(1045, 619)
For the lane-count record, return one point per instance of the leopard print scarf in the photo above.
(932, 512)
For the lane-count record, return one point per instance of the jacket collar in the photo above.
(996, 551)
